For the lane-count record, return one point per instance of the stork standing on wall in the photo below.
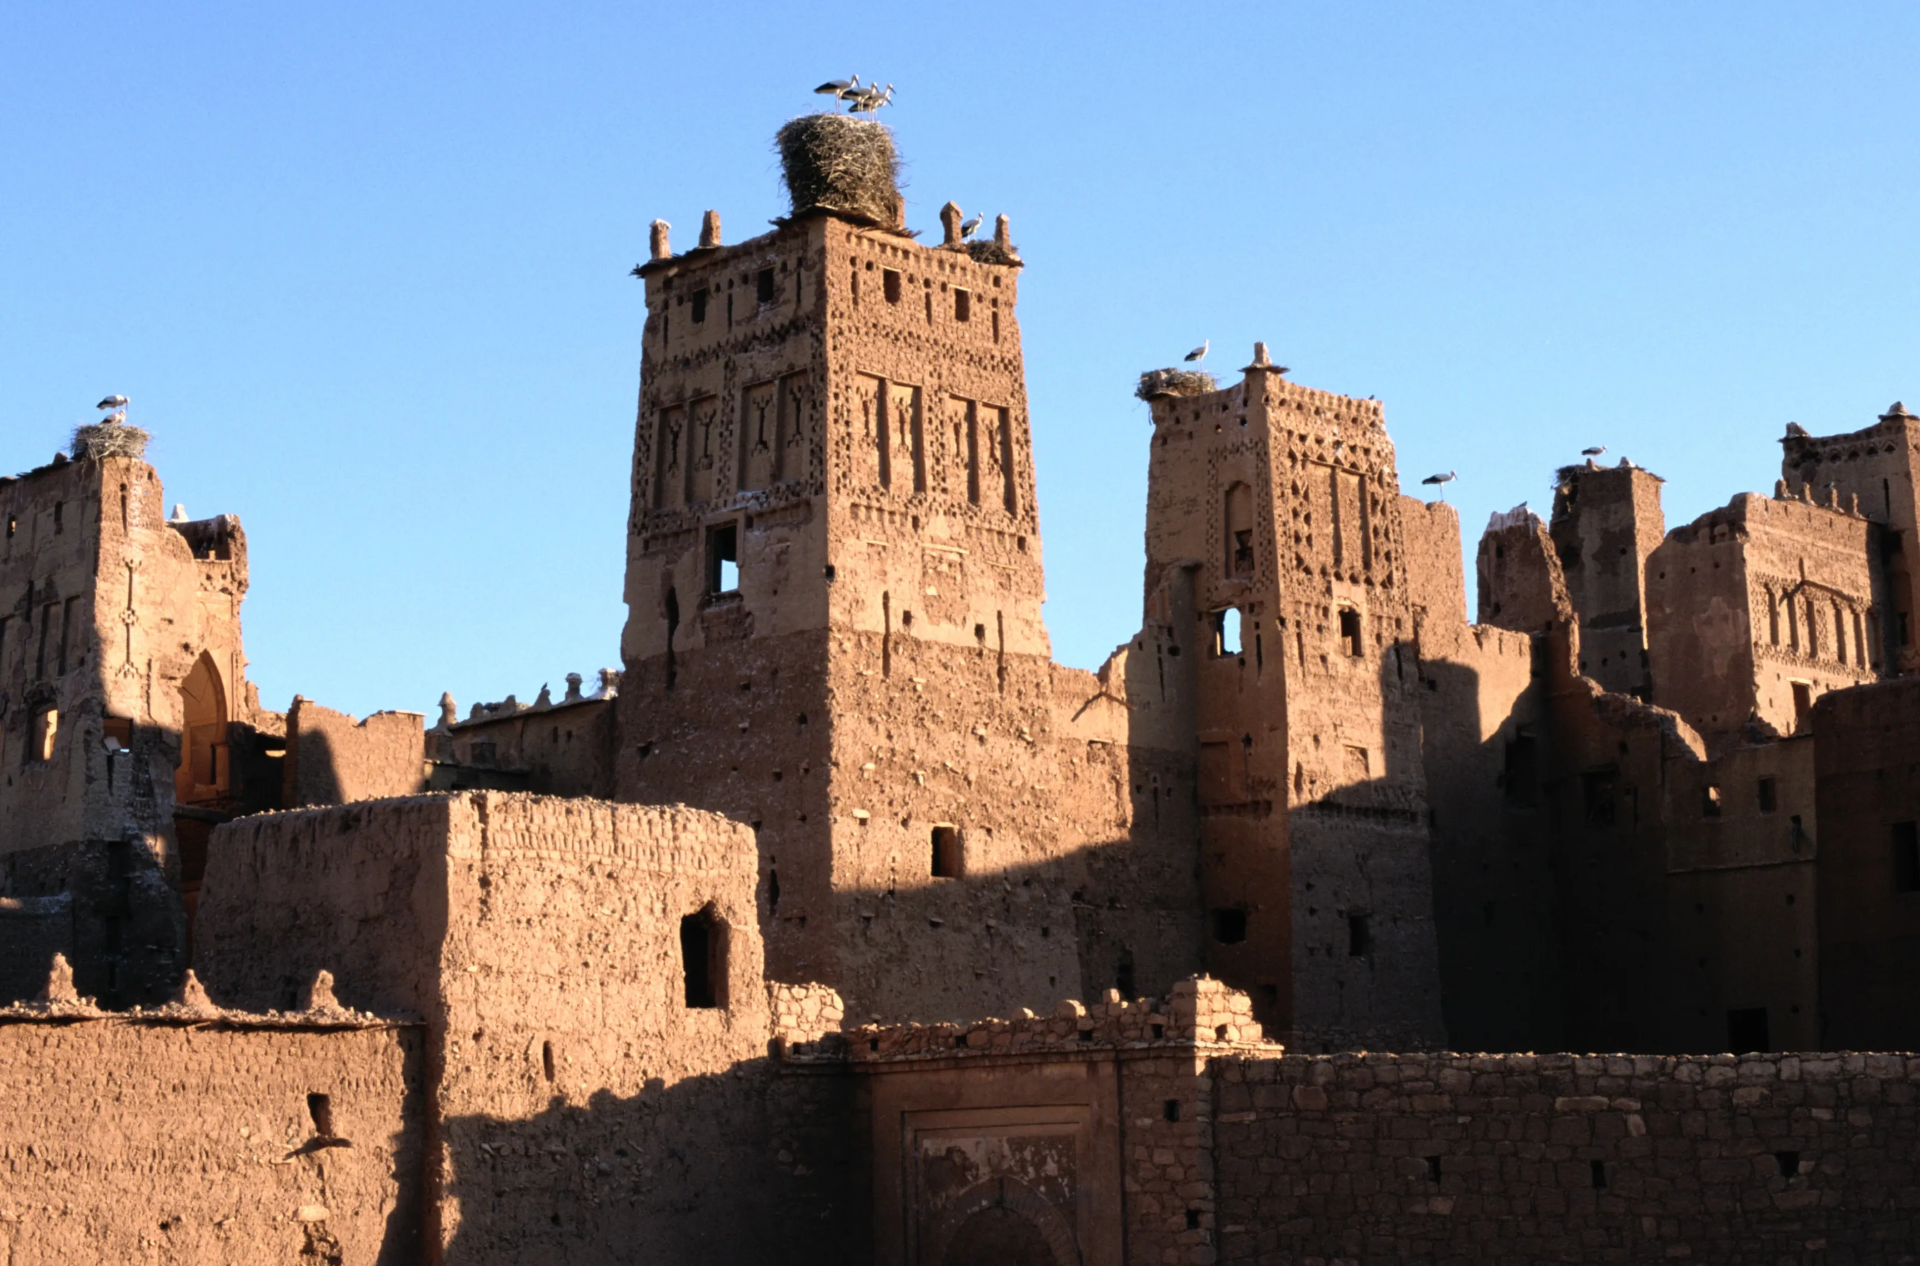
(1442, 481)
(972, 226)
(1199, 353)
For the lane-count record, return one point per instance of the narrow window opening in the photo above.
(1433, 1169)
(890, 284)
(1359, 937)
(1789, 1163)
(1599, 1175)
(1171, 1110)
(949, 857)
(703, 959)
(546, 1060)
(1350, 632)
(1769, 796)
(1747, 1030)
(673, 627)
(764, 286)
(41, 735)
(1597, 788)
(59, 517)
(1906, 857)
(700, 306)
(1230, 926)
(962, 304)
(320, 1112)
(1123, 974)
(1802, 705)
(1519, 780)
(1710, 802)
(1193, 1219)
(723, 559)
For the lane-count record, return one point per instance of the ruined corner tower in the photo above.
(1274, 518)
(833, 590)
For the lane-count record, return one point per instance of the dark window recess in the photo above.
(1769, 798)
(1906, 857)
(1710, 802)
(320, 1112)
(1599, 1175)
(1123, 974)
(1350, 632)
(1599, 788)
(699, 305)
(1359, 937)
(59, 518)
(1802, 704)
(1193, 1219)
(1171, 1110)
(116, 732)
(1541, 655)
(703, 958)
(949, 858)
(1747, 1030)
(1519, 780)
(723, 559)
(1230, 926)
(1789, 1163)
(1433, 1169)
(962, 304)
(546, 1060)
(764, 287)
(890, 283)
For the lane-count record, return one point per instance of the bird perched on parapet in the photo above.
(1442, 481)
(1199, 353)
(114, 419)
(1595, 451)
(112, 402)
(840, 89)
(970, 227)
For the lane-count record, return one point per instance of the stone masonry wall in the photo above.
(131, 1139)
(1378, 1158)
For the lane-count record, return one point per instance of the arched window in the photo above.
(202, 774)
(703, 958)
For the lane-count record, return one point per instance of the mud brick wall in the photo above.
(333, 759)
(129, 1140)
(1567, 1158)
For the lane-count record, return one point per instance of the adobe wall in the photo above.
(550, 749)
(106, 610)
(1747, 600)
(1872, 473)
(1283, 502)
(333, 759)
(131, 1138)
(1868, 793)
(581, 1098)
(1521, 585)
(1566, 1157)
(1485, 732)
(1606, 521)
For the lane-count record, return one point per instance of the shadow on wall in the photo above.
(761, 1163)
(1493, 889)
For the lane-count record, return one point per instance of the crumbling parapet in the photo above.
(1199, 1012)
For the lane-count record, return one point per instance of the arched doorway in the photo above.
(202, 775)
(998, 1237)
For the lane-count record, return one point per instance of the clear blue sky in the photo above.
(362, 267)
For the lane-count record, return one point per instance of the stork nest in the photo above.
(989, 251)
(98, 440)
(835, 162)
(1174, 382)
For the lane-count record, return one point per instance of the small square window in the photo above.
(1230, 926)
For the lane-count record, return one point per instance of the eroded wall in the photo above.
(133, 1139)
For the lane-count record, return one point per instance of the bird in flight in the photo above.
(972, 226)
(1595, 451)
(1200, 353)
(1442, 481)
(839, 89)
(112, 402)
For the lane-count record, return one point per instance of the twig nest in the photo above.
(835, 162)
(98, 440)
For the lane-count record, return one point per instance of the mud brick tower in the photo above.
(1274, 515)
(833, 590)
